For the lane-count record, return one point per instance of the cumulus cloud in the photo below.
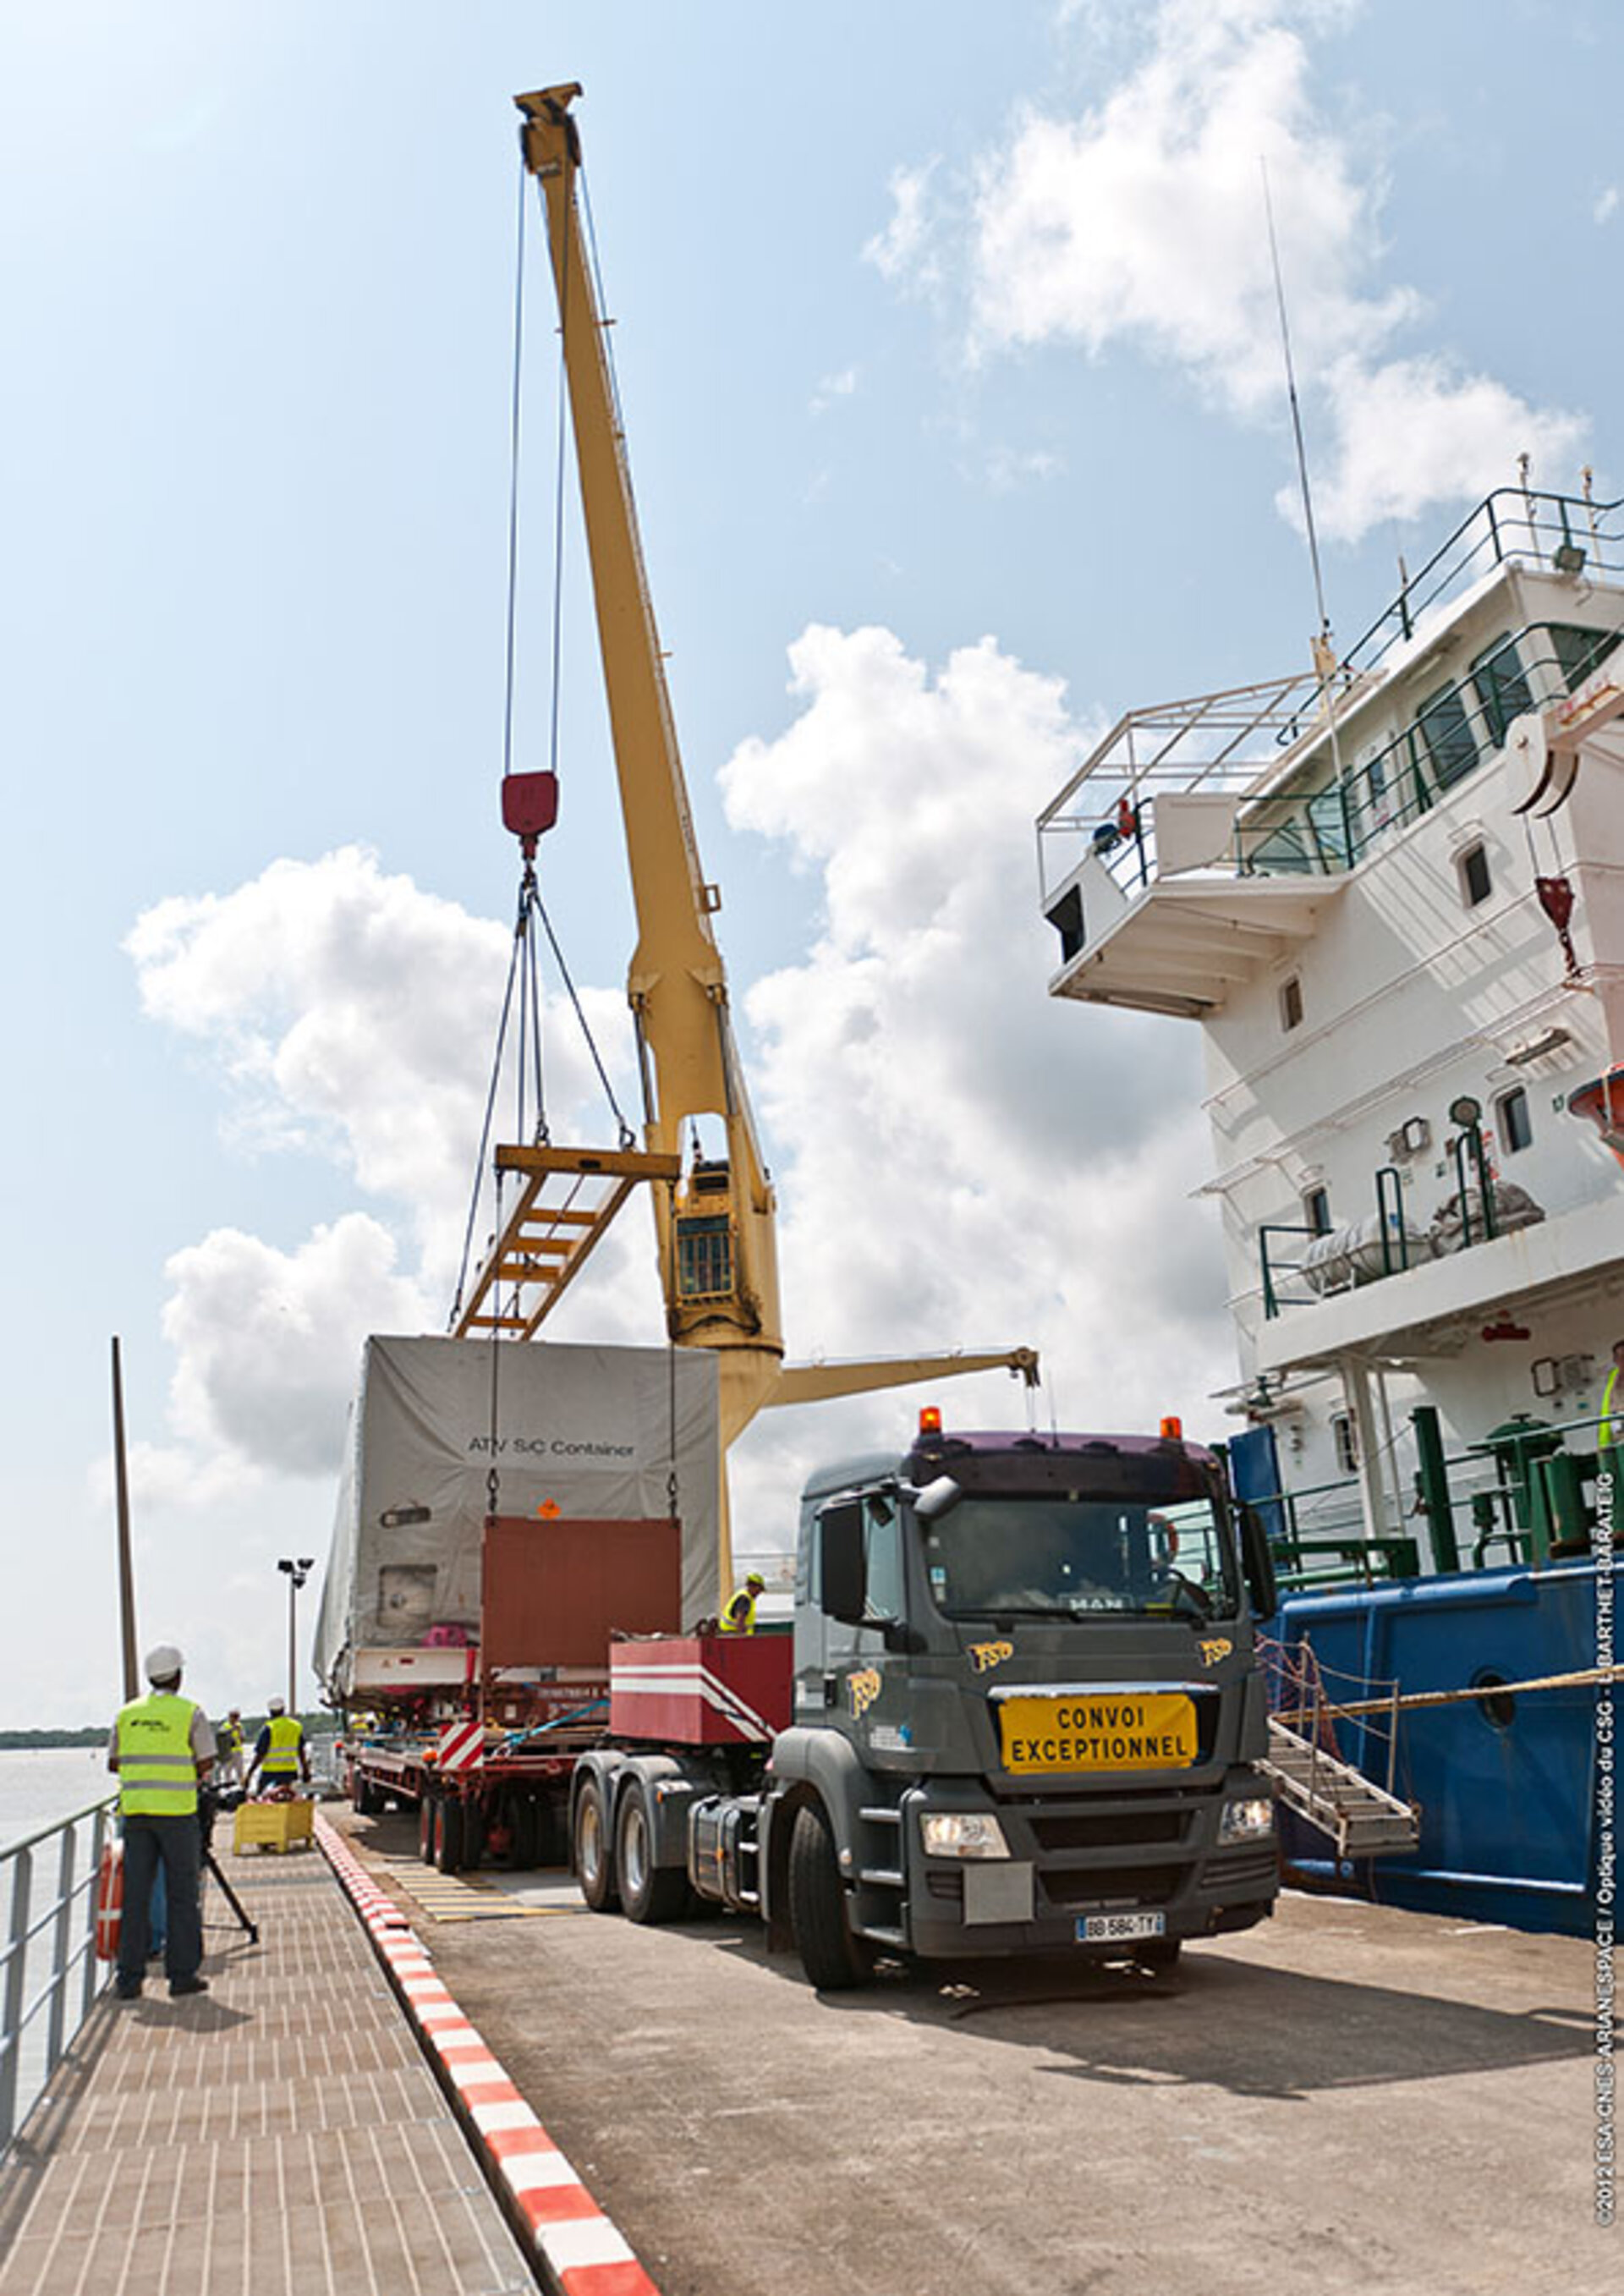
(833, 388)
(350, 1013)
(1606, 205)
(961, 1162)
(904, 250)
(1141, 223)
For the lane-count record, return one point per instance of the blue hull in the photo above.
(1507, 1806)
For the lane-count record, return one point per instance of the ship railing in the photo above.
(1218, 755)
(49, 1976)
(1569, 534)
(1367, 1710)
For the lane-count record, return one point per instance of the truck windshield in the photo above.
(1069, 1557)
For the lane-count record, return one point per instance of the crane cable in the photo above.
(523, 962)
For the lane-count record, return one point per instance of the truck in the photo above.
(1020, 1710)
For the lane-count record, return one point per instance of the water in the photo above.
(38, 1787)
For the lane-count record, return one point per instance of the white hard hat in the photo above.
(162, 1661)
(278, 1706)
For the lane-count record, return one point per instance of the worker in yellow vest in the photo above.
(160, 1746)
(1606, 1431)
(278, 1752)
(740, 1616)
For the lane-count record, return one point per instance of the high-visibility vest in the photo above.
(1605, 1430)
(734, 1621)
(230, 1735)
(157, 1768)
(282, 1755)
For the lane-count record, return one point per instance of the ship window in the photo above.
(1345, 1435)
(1501, 686)
(1316, 1210)
(1442, 724)
(1579, 650)
(1512, 1121)
(1476, 883)
(1291, 1003)
(1497, 1705)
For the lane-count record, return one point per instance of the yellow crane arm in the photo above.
(717, 1250)
(818, 1382)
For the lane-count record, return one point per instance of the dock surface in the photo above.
(279, 2135)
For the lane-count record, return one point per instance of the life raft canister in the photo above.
(109, 1901)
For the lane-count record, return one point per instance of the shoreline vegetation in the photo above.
(95, 1734)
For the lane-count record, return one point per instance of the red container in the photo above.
(701, 1690)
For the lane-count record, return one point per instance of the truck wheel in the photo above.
(648, 1893)
(453, 1837)
(832, 1957)
(428, 1829)
(595, 1863)
(474, 1831)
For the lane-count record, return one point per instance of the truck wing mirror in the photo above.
(842, 1564)
(1258, 1564)
(936, 1497)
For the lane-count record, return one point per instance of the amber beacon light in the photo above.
(1172, 1431)
(931, 1420)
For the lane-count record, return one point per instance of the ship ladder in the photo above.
(1361, 1817)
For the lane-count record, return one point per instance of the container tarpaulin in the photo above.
(594, 1431)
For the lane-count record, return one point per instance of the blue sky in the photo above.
(944, 340)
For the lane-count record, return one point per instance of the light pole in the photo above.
(298, 1572)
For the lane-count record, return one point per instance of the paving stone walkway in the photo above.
(280, 2135)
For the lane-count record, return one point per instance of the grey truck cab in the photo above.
(1027, 1705)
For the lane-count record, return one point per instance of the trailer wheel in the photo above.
(428, 1829)
(595, 1862)
(474, 1831)
(831, 1956)
(649, 1892)
(453, 1843)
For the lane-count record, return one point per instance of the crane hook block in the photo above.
(530, 807)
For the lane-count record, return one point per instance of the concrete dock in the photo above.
(1364, 2102)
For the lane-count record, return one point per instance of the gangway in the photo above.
(1361, 1817)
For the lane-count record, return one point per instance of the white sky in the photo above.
(947, 343)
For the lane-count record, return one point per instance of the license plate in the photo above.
(1139, 1730)
(1112, 1928)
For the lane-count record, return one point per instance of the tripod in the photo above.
(206, 1805)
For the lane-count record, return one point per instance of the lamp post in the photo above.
(298, 1572)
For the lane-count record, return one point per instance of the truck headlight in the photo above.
(961, 1833)
(1246, 1821)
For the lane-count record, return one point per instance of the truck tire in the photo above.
(594, 1850)
(831, 1956)
(428, 1829)
(648, 1893)
(453, 1842)
(474, 1831)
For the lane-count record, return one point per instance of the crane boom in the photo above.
(717, 1250)
(716, 1222)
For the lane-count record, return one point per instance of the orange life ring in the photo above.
(109, 1901)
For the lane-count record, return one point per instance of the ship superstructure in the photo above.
(1390, 892)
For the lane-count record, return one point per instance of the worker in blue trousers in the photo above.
(160, 1746)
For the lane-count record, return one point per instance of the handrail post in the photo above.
(60, 1944)
(11, 2016)
(98, 1842)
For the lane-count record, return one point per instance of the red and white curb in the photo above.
(584, 2252)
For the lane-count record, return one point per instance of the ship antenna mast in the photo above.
(1324, 655)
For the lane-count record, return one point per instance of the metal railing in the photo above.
(1231, 743)
(60, 1919)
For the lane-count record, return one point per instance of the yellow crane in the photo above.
(716, 1222)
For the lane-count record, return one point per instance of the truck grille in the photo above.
(1070, 1890)
(1127, 1829)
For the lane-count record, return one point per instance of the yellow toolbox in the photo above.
(272, 1825)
